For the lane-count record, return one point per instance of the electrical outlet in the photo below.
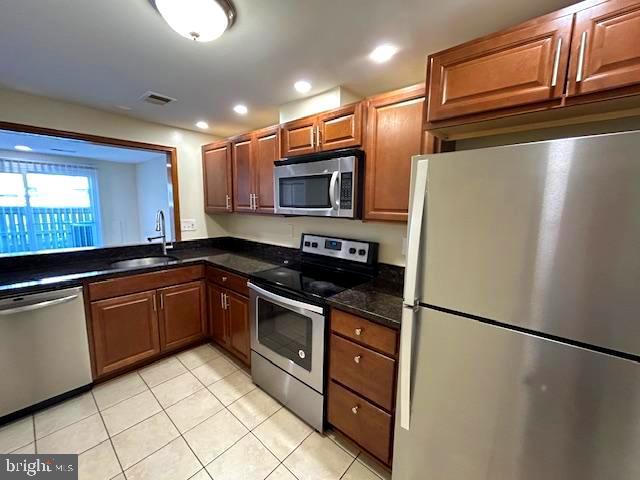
(188, 225)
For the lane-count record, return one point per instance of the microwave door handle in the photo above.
(335, 203)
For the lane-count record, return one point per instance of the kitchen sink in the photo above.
(143, 262)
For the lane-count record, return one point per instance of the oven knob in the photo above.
(314, 244)
(362, 251)
(301, 354)
(307, 244)
(352, 251)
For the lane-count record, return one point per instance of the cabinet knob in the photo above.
(357, 358)
(358, 331)
(224, 279)
(355, 409)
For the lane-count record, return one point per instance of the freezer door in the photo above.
(490, 403)
(544, 236)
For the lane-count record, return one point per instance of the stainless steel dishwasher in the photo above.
(44, 349)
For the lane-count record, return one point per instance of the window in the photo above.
(46, 206)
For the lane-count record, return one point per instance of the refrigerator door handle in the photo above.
(409, 312)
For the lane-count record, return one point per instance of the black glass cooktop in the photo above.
(310, 280)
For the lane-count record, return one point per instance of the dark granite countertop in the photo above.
(379, 300)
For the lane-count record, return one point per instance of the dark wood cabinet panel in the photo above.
(217, 176)
(368, 373)
(340, 128)
(605, 50)
(228, 280)
(393, 136)
(298, 137)
(365, 423)
(242, 173)
(238, 318)
(509, 69)
(364, 332)
(217, 315)
(182, 315)
(267, 151)
(125, 331)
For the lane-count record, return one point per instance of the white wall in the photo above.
(116, 194)
(153, 195)
(28, 109)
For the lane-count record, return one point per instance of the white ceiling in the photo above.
(73, 148)
(108, 53)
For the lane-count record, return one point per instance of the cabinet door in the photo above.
(508, 69)
(125, 331)
(298, 137)
(267, 151)
(239, 334)
(182, 315)
(242, 174)
(340, 128)
(218, 322)
(394, 131)
(605, 48)
(216, 170)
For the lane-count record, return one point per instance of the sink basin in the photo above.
(143, 262)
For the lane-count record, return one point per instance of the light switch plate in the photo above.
(188, 225)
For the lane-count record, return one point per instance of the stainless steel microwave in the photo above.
(326, 184)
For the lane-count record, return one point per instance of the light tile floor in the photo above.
(195, 415)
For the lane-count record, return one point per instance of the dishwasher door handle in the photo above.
(37, 305)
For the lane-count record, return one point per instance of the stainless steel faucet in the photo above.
(160, 227)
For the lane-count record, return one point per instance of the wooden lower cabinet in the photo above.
(229, 320)
(182, 315)
(217, 316)
(125, 331)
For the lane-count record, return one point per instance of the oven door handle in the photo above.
(335, 202)
(300, 306)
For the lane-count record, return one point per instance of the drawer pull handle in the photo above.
(355, 409)
(224, 279)
(357, 358)
(358, 331)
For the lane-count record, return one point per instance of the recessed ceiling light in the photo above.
(383, 53)
(199, 20)
(240, 109)
(302, 86)
(202, 124)
(23, 148)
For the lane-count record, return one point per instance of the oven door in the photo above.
(320, 188)
(290, 334)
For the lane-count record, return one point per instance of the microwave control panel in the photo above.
(354, 250)
(346, 190)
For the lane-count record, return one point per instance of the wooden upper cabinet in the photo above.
(182, 315)
(267, 151)
(605, 48)
(216, 170)
(393, 136)
(509, 69)
(340, 128)
(125, 331)
(242, 173)
(298, 137)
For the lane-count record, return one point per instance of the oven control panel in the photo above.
(354, 250)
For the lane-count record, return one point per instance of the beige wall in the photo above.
(44, 112)
(334, 98)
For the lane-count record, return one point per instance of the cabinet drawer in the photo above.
(365, 332)
(146, 281)
(367, 372)
(228, 280)
(365, 423)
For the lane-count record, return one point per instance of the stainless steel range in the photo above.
(288, 319)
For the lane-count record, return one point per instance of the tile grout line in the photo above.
(35, 440)
(108, 438)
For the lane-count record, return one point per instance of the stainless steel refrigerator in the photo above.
(520, 336)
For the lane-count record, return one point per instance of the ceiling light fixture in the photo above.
(383, 53)
(302, 86)
(202, 124)
(240, 109)
(199, 20)
(23, 148)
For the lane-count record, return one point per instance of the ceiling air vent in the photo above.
(156, 98)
